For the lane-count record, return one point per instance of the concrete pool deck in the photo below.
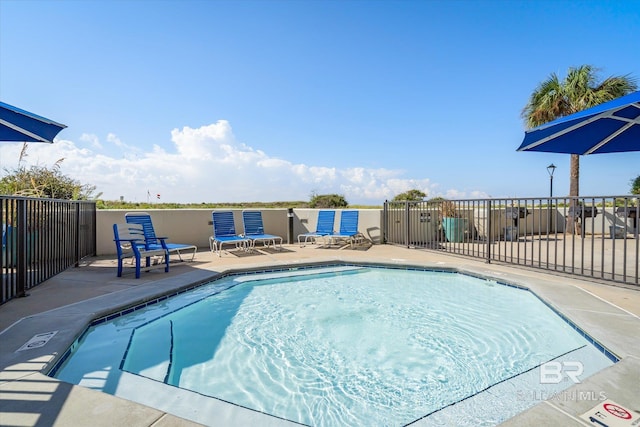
(68, 302)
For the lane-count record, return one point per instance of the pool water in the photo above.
(343, 346)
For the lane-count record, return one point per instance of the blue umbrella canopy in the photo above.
(611, 127)
(17, 125)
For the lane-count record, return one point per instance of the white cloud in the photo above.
(93, 140)
(114, 140)
(209, 165)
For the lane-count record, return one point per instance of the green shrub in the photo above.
(322, 201)
(411, 196)
(42, 181)
(635, 185)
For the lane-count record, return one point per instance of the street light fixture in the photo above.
(551, 169)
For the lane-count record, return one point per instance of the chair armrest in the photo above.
(162, 241)
(128, 240)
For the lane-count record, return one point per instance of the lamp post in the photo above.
(551, 169)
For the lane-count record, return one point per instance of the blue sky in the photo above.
(223, 101)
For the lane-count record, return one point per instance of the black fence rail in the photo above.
(41, 238)
(587, 236)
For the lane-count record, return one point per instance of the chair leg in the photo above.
(166, 262)
(138, 262)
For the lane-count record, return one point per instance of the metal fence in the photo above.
(588, 236)
(41, 238)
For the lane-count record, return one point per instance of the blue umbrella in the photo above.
(611, 127)
(18, 125)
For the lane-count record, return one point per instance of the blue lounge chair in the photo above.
(8, 253)
(6, 234)
(348, 229)
(323, 229)
(130, 242)
(254, 230)
(224, 233)
(154, 242)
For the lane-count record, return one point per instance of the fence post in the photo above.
(489, 232)
(406, 223)
(385, 222)
(76, 252)
(290, 216)
(21, 248)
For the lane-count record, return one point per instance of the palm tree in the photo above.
(555, 98)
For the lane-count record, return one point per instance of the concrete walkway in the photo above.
(68, 302)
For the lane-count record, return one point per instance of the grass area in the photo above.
(112, 204)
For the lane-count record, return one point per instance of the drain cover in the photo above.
(38, 341)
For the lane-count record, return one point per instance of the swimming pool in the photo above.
(344, 345)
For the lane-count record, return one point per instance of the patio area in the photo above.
(69, 301)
